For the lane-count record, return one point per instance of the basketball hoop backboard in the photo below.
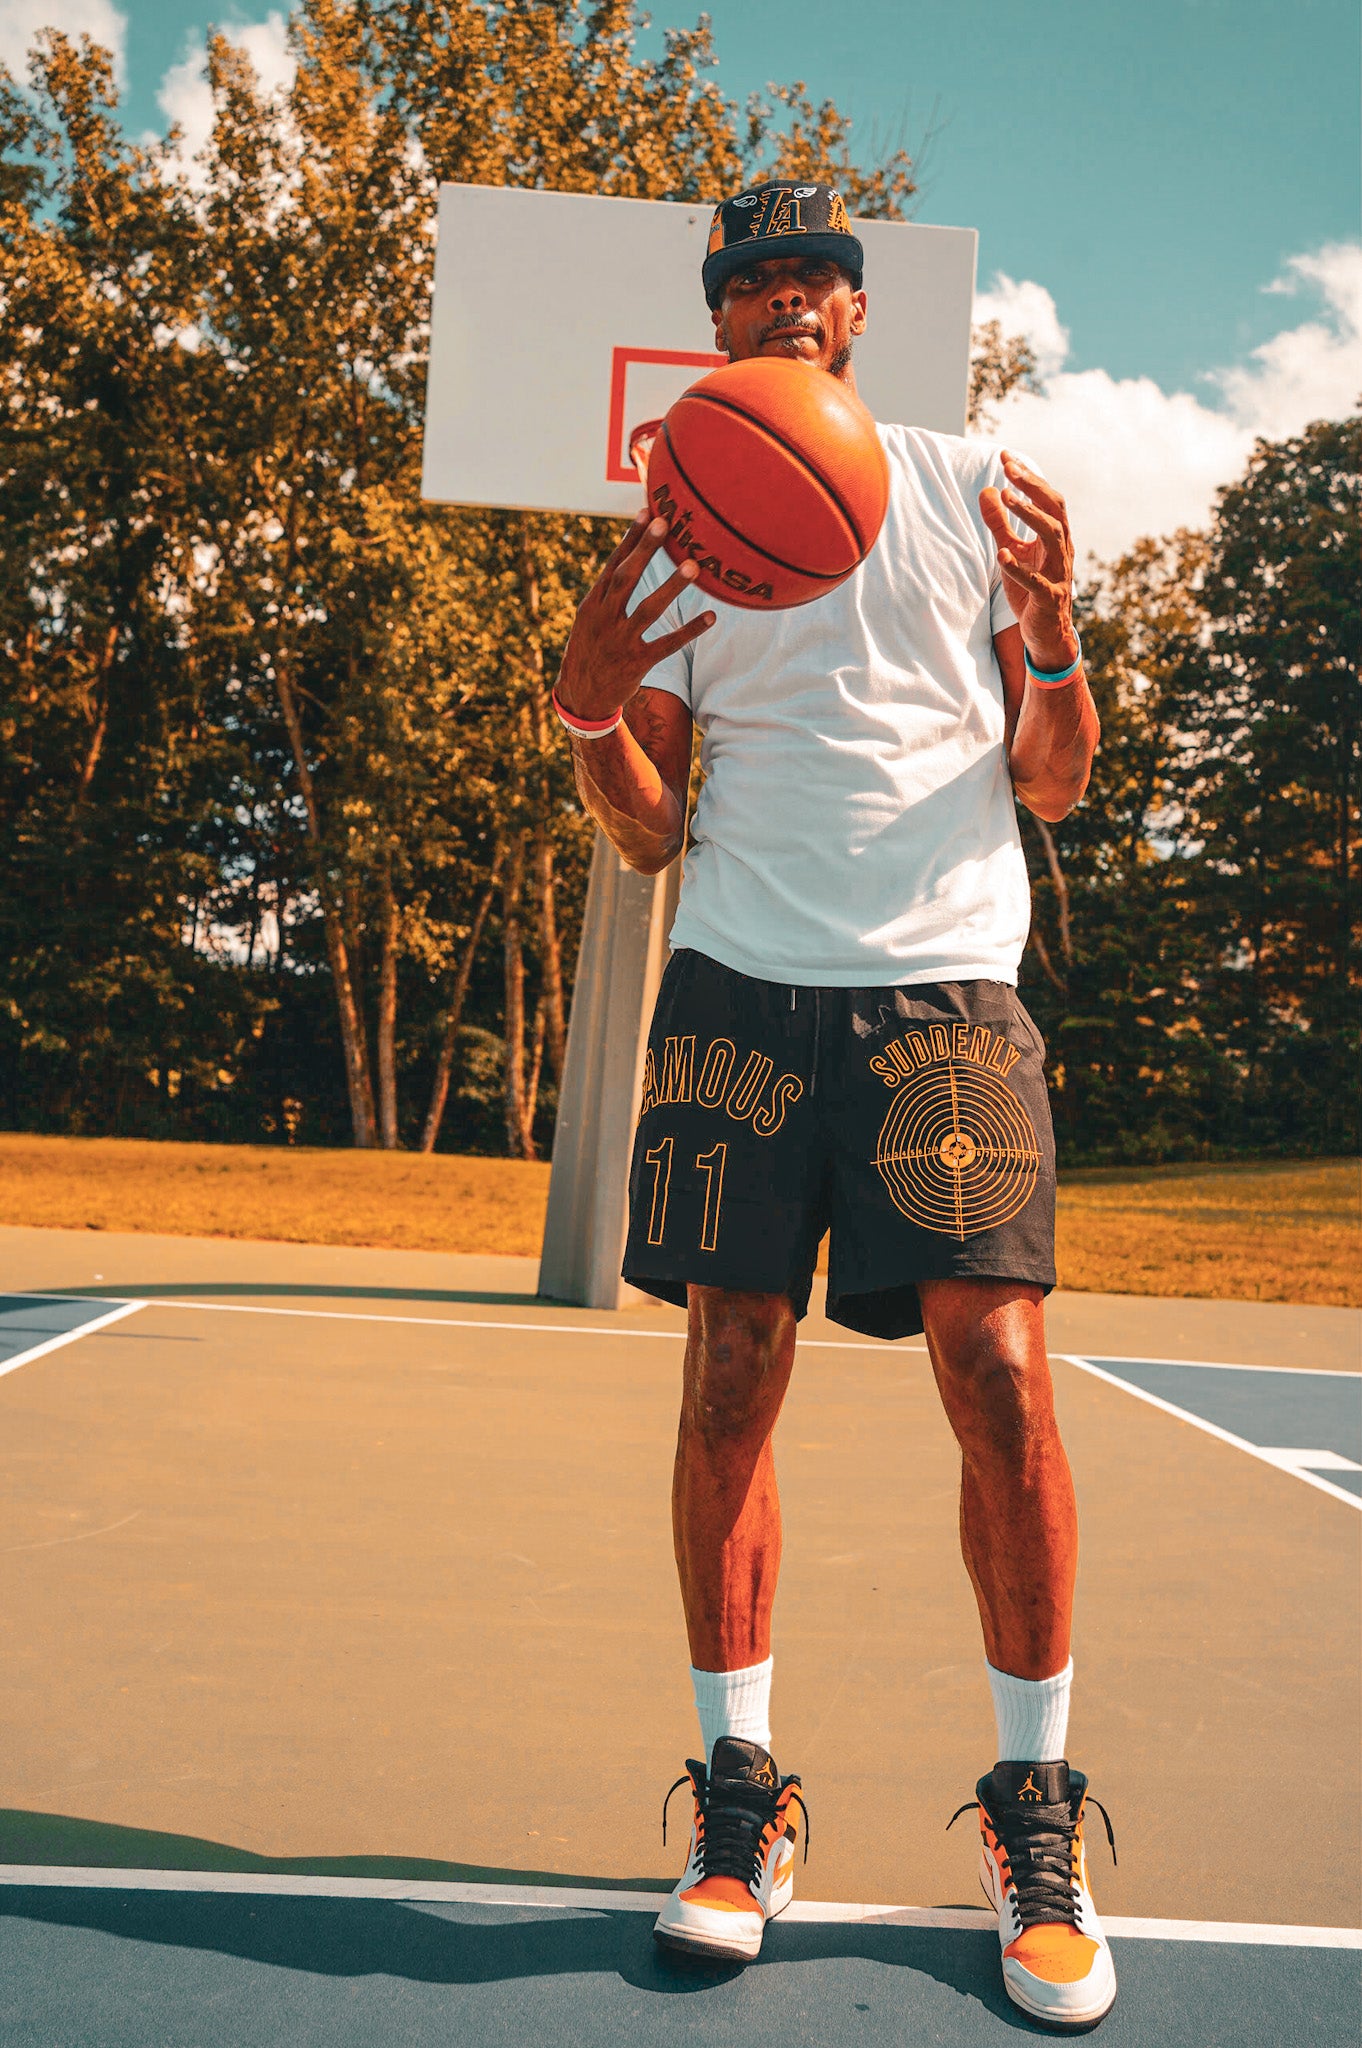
(562, 322)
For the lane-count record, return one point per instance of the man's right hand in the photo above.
(607, 657)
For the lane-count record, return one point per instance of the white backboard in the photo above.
(561, 321)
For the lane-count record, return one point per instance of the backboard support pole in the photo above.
(623, 953)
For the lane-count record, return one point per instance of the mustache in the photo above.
(791, 323)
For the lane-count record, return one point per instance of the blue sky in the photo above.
(1154, 164)
(1172, 189)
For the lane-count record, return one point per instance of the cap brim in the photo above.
(725, 263)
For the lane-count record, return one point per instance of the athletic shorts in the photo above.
(912, 1123)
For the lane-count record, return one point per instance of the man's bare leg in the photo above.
(726, 1520)
(725, 1508)
(1018, 1522)
(1019, 1533)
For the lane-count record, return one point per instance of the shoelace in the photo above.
(730, 1833)
(1039, 1845)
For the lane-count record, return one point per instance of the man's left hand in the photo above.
(1037, 574)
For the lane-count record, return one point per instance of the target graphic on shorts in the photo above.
(958, 1152)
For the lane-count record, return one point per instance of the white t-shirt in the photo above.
(856, 826)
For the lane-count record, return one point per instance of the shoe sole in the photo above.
(697, 1947)
(1082, 2023)
(1052, 2025)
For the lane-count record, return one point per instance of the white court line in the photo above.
(570, 1898)
(1319, 1372)
(115, 1315)
(336, 1315)
(1226, 1436)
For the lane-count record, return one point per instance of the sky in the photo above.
(1167, 197)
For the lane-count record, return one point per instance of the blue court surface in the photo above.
(32, 1325)
(121, 1968)
(1306, 1422)
(292, 1598)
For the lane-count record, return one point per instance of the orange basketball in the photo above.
(771, 476)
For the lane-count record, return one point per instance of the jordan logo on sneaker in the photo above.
(764, 1774)
(1031, 1790)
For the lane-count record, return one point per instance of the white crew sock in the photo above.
(1032, 1713)
(733, 1703)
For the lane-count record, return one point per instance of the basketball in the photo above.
(771, 477)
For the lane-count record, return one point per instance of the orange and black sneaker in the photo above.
(1033, 1866)
(740, 1870)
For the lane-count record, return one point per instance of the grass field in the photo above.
(1282, 1231)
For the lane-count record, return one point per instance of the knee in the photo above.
(1000, 1406)
(737, 1367)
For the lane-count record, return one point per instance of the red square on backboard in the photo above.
(661, 393)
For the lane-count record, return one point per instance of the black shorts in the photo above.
(911, 1122)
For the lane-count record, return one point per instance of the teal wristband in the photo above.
(1052, 680)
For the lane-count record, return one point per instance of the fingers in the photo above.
(644, 544)
(672, 643)
(1035, 486)
(628, 544)
(1009, 542)
(650, 609)
(1031, 515)
(1031, 580)
(995, 519)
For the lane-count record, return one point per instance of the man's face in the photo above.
(799, 307)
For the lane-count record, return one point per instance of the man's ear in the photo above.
(716, 314)
(858, 309)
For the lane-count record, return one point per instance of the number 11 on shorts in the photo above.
(711, 1164)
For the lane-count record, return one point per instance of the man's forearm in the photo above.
(1052, 748)
(629, 800)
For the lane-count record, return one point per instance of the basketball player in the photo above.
(838, 1043)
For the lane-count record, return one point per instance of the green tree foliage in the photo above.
(291, 845)
(1194, 959)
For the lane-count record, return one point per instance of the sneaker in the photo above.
(1033, 1866)
(740, 1870)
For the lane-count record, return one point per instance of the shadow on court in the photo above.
(69, 1842)
(253, 1290)
(595, 1976)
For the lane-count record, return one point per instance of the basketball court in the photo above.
(345, 1668)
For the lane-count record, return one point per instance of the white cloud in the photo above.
(1132, 459)
(1026, 308)
(1312, 372)
(20, 21)
(184, 96)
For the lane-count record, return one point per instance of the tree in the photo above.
(1193, 956)
(287, 816)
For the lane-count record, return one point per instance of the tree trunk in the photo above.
(536, 1069)
(444, 1064)
(387, 1013)
(354, 1041)
(514, 1023)
(550, 953)
(550, 947)
(1042, 952)
(98, 708)
(1047, 840)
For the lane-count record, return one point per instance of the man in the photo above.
(838, 1043)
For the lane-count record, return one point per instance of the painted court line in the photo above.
(115, 1315)
(1319, 1372)
(336, 1315)
(1226, 1436)
(565, 1898)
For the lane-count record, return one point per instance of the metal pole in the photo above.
(624, 949)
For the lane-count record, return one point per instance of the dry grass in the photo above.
(1285, 1231)
(402, 1200)
(1279, 1232)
